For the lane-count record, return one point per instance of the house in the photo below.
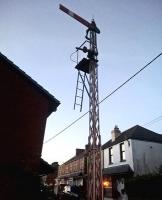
(49, 177)
(47, 169)
(136, 151)
(73, 172)
(25, 106)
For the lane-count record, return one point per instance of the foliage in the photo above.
(146, 186)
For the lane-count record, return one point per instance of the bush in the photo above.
(146, 186)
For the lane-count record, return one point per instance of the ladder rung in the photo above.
(79, 89)
(79, 96)
(77, 104)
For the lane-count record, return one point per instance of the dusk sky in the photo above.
(39, 38)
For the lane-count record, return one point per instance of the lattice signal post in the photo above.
(88, 74)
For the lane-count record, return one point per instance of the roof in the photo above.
(138, 133)
(12, 66)
(76, 157)
(120, 169)
(46, 168)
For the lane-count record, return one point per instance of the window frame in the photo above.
(122, 152)
(111, 156)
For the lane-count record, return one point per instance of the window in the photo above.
(107, 187)
(122, 152)
(110, 155)
(70, 167)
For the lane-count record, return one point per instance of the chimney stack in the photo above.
(79, 151)
(115, 133)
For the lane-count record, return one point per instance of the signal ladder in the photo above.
(80, 89)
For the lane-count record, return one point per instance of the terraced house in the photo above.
(73, 172)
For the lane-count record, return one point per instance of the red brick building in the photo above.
(25, 106)
(74, 171)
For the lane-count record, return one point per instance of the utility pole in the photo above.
(88, 73)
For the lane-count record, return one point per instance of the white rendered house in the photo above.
(136, 151)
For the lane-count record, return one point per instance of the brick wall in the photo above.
(73, 166)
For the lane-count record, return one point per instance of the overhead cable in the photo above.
(104, 98)
(153, 121)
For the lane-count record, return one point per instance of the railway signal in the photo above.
(88, 75)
